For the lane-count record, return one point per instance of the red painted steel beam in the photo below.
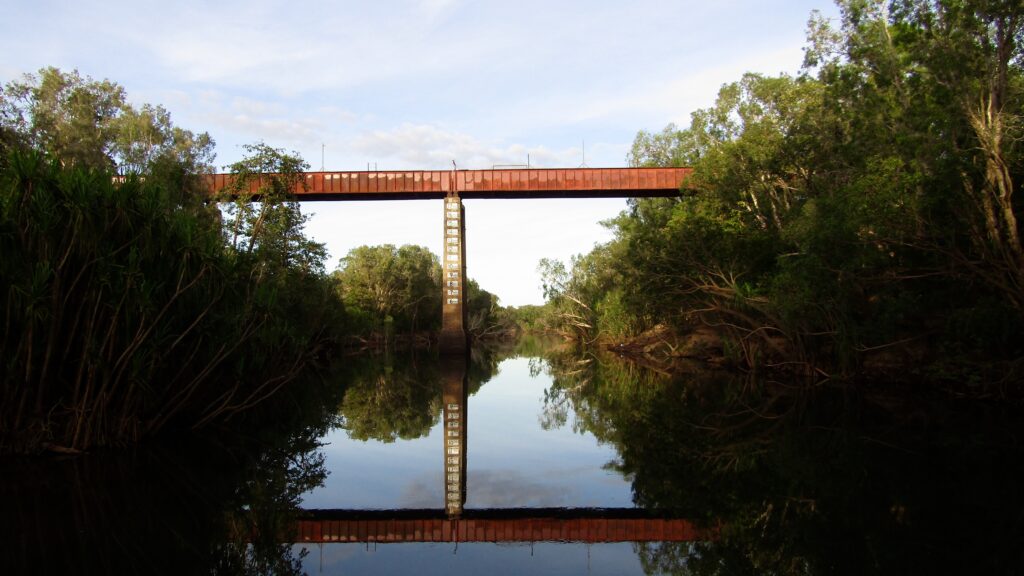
(513, 183)
(496, 530)
(518, 525)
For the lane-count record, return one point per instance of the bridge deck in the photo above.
(510, 183)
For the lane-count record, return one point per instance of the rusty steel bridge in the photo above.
(453, 186)
(453, 523)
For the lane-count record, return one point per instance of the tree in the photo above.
(264, 221)
(665, 148)
(586, 300)
(89, 123)
(397, 285)
(969, 53)
(127, 312)
(861, 209)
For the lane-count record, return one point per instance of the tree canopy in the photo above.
(858, 215)
(90, 123)
(132, 304)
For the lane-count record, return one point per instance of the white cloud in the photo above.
(418, 83)
(662, 98)
(429, 146)
(239, 119)
(435, 8)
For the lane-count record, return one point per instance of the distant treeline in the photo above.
(859, 217)
(388, 290)
(139, 306)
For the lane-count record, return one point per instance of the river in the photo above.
(537, 459)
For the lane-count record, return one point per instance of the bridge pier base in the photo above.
(453, 338)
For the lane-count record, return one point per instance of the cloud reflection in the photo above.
(507, 488)
(500, 488)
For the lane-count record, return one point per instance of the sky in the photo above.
(417, 84)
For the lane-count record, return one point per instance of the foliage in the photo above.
(529, 317)
(126, 314)
(585, 302)
(399, 289)
(89, 123)
(486, 317)
(396, 287)
(263, 223)
(802, 480)
(852, 218)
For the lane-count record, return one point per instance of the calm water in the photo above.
(515, 457)
(767, 477)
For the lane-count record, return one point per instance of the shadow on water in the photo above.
(222, 502)
(807, 479)
(793, 479)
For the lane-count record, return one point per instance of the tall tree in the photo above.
(865, 207)
(264, 221)
(89, 123)
(401, 286)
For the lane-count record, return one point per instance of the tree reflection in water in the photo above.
(388, 398)
(806, 479)
(222, 503)
(398, 396)
(797, 479)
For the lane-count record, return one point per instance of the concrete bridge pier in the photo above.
(454, 395)
(453, 339)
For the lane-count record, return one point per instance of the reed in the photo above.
(125, 312)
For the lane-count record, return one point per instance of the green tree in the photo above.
(264, 221)
(859, 214)
(128, 309)
(486, 317)
(89, 123)
(665, 148)
(397, 286)
(145, 136)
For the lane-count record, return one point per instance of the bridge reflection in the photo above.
(496, 525)
(454, 523)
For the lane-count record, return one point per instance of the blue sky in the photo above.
(416, 84)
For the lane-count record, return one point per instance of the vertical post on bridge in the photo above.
(453, 279)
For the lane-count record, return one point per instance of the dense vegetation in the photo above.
(134, 303)
(390, 290)
(858, 217)
(130, 306)
(814, 480)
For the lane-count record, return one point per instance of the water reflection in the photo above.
(705, 473)
(453, 377)
(808, 479)
(453, 523)
(217, 503)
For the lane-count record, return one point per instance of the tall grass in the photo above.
(124, 312)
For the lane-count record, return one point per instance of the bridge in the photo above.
(473, 184)
(453, 186)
